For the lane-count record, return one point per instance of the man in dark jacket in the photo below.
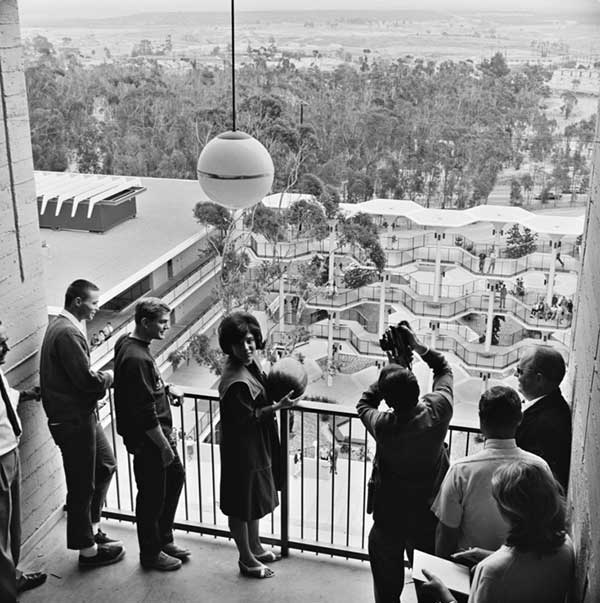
(70, 391)
(409, 466)
(546, 426)
(145, 423)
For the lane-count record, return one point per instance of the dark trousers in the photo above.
(158, 490)
(89, 465)
(10, 524)
(387, 543)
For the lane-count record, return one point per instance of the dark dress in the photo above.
(250, 449)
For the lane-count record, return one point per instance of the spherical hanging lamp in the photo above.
(234, 169)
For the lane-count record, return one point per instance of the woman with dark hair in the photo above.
(535, 565)
(250, 449)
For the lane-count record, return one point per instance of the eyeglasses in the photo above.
(519, 371)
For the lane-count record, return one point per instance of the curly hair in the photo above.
(532, 502)
(235, 326)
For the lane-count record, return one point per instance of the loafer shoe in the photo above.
(29, 581)
(105, 555)
(176, 551)
(101, 537)
(162, 562)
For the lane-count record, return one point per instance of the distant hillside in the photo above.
(198, 19)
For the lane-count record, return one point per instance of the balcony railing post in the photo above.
(285, 500)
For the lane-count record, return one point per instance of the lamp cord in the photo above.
(232, 65)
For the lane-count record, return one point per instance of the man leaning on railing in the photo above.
(410, 460)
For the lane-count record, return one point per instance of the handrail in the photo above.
(330, 477)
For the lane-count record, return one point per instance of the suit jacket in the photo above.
(70, 388)
(546, 431)
(411, 459)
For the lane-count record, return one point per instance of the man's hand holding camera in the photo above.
(399, 341)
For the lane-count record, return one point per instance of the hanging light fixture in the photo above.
(234, 169)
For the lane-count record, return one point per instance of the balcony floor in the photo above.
(210, 576)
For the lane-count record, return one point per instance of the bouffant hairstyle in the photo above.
(235, 326)
(500, 407)
(531, 500)
(399, 387)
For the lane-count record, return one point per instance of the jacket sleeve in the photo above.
(75, 361)
(367, 408)
(140, 378)
(441, 399)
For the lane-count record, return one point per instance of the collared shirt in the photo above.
(78, 323)
(529, 403)
(8, 439)
(465, 498)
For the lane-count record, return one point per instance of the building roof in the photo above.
(455, 218)
(444, 218)
(382, 207)
(117, 259)
(94, 188)
(555, 225)
(284, 200)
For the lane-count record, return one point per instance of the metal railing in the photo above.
(445, 309)
(326, 466)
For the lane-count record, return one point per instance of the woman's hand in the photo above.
(287, 401)
(435, 588)
(471, 556)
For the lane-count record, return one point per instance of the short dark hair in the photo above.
(532, 502)
(150, 308)
(235, 326)
(549, 362)
(500, 406)
(79, 288)
(398, 386)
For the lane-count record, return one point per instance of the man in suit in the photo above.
(12, 580)
(546, 426)
(70, 391)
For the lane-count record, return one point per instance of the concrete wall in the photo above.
(584, 490)
(159, 276)
(22, 303)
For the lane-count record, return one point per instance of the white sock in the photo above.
(95, 527)
(90, 551)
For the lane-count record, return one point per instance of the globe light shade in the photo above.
(235, 170)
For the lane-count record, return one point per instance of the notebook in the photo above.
(454, 575)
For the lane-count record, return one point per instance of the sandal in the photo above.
(259, 572)
(268, 557)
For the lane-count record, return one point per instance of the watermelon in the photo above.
(286, 375)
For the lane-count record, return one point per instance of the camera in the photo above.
(395, 345)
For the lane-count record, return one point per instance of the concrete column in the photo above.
(551, 273)
(332, 244)
(330, 348)
(438, 267)
(23, 307)
(281, 303)
(434, 329)
(490, 317)
(381, 323)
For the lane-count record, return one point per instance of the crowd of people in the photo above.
(559, 309)
(502, 507)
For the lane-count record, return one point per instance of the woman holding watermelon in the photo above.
(250, 448)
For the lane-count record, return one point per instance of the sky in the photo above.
(30, 9)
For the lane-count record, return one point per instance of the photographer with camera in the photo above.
(410, 460)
